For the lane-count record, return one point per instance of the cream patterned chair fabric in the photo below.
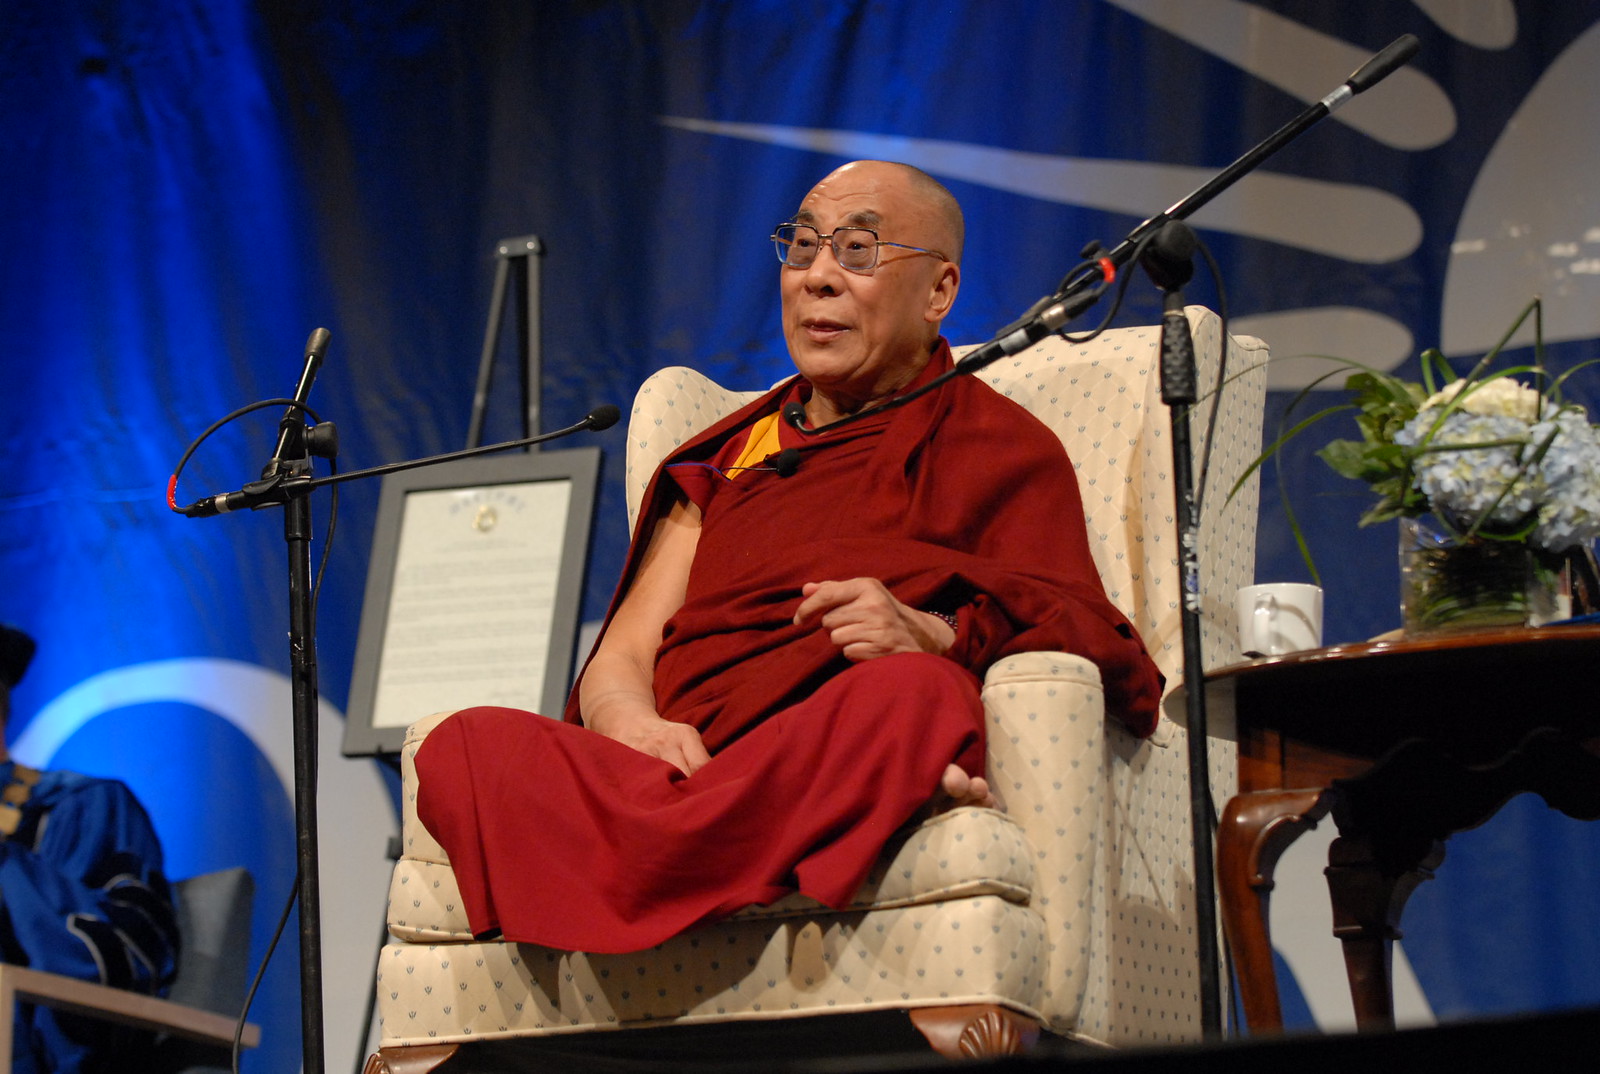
(1074, 908)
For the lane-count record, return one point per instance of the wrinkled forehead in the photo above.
(858, 198)
(821, 217)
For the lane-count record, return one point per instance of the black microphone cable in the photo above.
(261, 972)
(333, 465)
(1091, 263)
(1083, 271)
(783, 463)
(1215, 272)
(194, 445)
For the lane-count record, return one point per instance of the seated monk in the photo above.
(789, 671)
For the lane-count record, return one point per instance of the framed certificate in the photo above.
(473, 591)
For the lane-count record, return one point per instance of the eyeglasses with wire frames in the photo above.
(855, 248)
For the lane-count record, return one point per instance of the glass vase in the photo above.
(1449, 583)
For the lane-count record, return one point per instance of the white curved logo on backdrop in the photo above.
(1510, 243)
(353, 863)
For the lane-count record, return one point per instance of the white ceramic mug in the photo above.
(1279, 617)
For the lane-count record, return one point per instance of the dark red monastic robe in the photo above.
(960, 502)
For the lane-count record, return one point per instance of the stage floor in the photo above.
(887, 1044)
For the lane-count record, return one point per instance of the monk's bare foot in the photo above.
(957, 789)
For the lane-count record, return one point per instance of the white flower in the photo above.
(1499, 397)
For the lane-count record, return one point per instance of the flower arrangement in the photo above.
(1509, 469)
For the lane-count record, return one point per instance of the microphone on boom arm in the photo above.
(1083, 286)
(273, 491)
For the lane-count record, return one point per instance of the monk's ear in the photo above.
(942, 296)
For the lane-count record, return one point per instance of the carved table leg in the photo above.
(1369, 889)
(975, 1031)
(418, 1059)
(1256, 829)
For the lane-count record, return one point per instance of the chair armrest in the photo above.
(1046, 714)
(86, 998)
(415, 840)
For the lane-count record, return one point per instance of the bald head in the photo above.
(860, 335)
(930, 196)
(945, 207)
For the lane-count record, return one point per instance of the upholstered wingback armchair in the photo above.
(1073, 910)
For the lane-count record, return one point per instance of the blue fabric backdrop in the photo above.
(190, 187)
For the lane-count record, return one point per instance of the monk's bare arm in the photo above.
(617, 696)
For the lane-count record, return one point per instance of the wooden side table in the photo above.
(1404, 743)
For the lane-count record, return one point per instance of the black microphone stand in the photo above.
(1076, 293)
(303, 673)
(287, 480)
(1169, 262)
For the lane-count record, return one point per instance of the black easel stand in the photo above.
(519, 268)
(516, 277)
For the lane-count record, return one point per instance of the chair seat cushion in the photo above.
(979, 950)
(953, 855)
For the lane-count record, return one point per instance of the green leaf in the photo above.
(1351, 458)
(1273, 448)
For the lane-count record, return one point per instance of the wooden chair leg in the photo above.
(975, 1031)
(418, 1059)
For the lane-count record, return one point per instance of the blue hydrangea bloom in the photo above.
(1570, 513)
(1509, 477)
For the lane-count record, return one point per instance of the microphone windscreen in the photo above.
(1384, 63)
(786, 462)
(317, 344)
(1168, 259)
(603, 416)
(795, 415)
